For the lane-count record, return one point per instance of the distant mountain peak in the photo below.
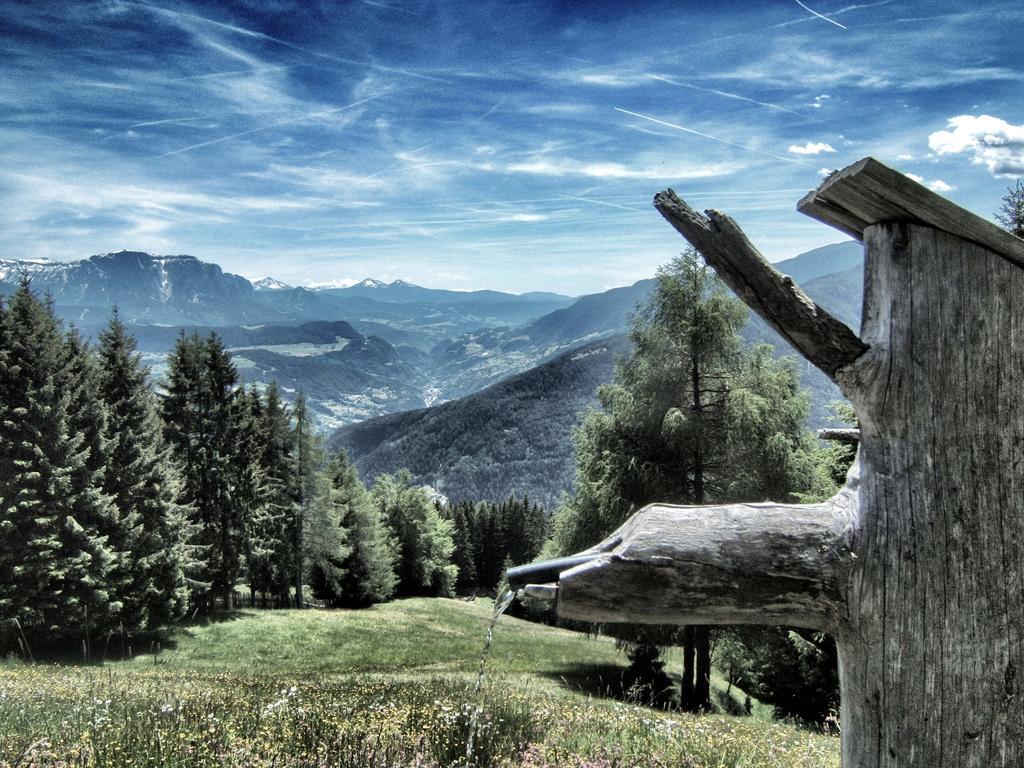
(402, 284)
(270, 284)
(371, 283)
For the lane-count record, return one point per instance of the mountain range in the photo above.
(506, 374)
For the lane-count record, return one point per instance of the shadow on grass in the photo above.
(111, 647)
(613, 681)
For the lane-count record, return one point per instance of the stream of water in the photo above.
(501, 604)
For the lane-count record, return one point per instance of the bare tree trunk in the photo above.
(702, 674)
(917, 566)
(686, 687)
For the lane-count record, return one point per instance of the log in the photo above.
(851, 436)
(820, 337)
(731, 564)
(869, 192)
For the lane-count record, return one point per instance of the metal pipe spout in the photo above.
(546, 571)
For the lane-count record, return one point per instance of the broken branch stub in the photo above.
(817, 335)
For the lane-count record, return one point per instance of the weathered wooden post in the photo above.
(917, 566)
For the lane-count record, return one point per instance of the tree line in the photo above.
(125, 507)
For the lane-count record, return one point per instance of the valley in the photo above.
(476, 392)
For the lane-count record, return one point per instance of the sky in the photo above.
(509, 145)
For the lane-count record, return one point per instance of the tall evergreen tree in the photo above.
(197, 411)
(308, 456)
(690, 418)
(464, 552)
(53, 565)
(351, 551)
(260, 520)
(423, 537)
(280, 492)
(91, 508)
(151, 528)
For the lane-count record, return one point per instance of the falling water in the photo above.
(501, 604)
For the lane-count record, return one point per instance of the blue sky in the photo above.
(509, 145)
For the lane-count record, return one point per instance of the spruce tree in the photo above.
(151, 530)
(260, 520)
(280, 493)
(351, 552)
(463, 555)
(308, 457)
(53, 560)
(197, 411)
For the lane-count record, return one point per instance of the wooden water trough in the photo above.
(917, 565)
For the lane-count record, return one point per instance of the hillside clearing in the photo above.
(390, 685)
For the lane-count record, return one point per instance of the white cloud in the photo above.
(811, 148)
(935, 185)
(610, 170)
(991, 141)
(819, 101)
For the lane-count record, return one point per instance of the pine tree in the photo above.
(423, 537)
(351, 553)
(690, 418)
(91, 507)
(463, 555)
(142, 481)
(260, 520)
(280, 492)
(308, 456)
(197, 412)
(52, 564)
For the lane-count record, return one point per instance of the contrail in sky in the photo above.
(602, 202)
(712, 138)
(270, 38)
(815, 13)
(309, 116)
(724, 94)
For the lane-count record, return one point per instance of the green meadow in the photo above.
(393, 685)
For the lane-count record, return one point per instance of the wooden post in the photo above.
(917, 565)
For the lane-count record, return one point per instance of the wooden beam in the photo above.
(816, 334)
(869, 192)
(728, 564)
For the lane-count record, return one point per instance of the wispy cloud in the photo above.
(708, 136)
(613, 170)
(319, 115)
(238, 30)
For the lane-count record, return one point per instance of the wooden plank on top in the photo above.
(869, 192)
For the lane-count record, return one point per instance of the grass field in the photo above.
(387, 686)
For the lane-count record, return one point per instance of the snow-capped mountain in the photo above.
(270, 284)
(145, 288)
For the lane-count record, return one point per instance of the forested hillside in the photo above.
(512, 438)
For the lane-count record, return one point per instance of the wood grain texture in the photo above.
(869, 192)
(934, 642)
(820, 337)
(733, 564)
